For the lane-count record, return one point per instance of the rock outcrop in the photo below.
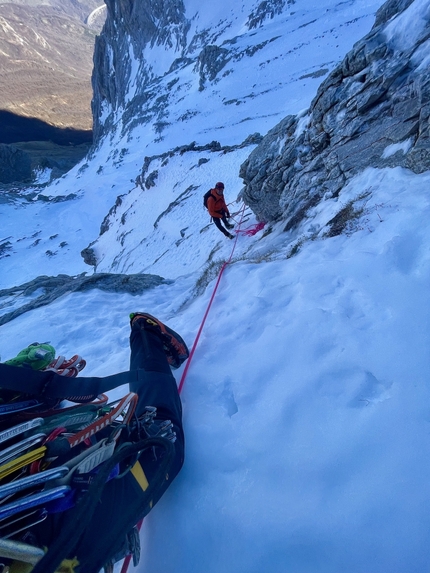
(51, 288)
(15, 165)
(371, 111)
(128, 29)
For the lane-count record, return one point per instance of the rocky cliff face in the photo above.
(129, 28)
(372, 110)
(144, 42)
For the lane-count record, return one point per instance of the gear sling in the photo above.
(95, 531)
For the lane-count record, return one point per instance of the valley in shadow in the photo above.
(17, 128)
(29, 145)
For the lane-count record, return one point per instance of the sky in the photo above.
(306, 404)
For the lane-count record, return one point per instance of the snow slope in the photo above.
(306, 406)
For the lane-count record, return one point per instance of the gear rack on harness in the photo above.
(57, 457)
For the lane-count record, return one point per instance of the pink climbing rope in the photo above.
(127, 560)
(187, 366)
(196, 341)
(251, 231)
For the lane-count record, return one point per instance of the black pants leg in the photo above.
(155, 385)
(114, 516)
(217, 222)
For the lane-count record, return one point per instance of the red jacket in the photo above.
(217, 206)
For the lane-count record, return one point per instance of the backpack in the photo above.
(206, 197)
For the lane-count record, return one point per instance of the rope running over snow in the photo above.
(187, 366)
(127, 560)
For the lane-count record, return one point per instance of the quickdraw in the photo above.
(125, 408)
(31, 486)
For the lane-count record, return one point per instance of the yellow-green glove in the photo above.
(36, 356)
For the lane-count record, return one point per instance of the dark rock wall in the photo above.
(133, 24)
(15, 165)
(379, 96)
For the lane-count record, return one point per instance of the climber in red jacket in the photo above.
(218, 209)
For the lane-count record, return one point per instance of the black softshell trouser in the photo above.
(218, 220)
(152, 380)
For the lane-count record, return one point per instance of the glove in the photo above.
(36, 356)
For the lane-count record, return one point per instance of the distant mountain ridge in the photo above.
(77, 9)
(46, 53)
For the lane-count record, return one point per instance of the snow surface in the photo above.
(403, 146)
(307, 403)
(404, 29)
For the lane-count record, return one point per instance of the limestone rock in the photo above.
(160, 23)
(210, 62)
(371, 111)
(144, 44)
